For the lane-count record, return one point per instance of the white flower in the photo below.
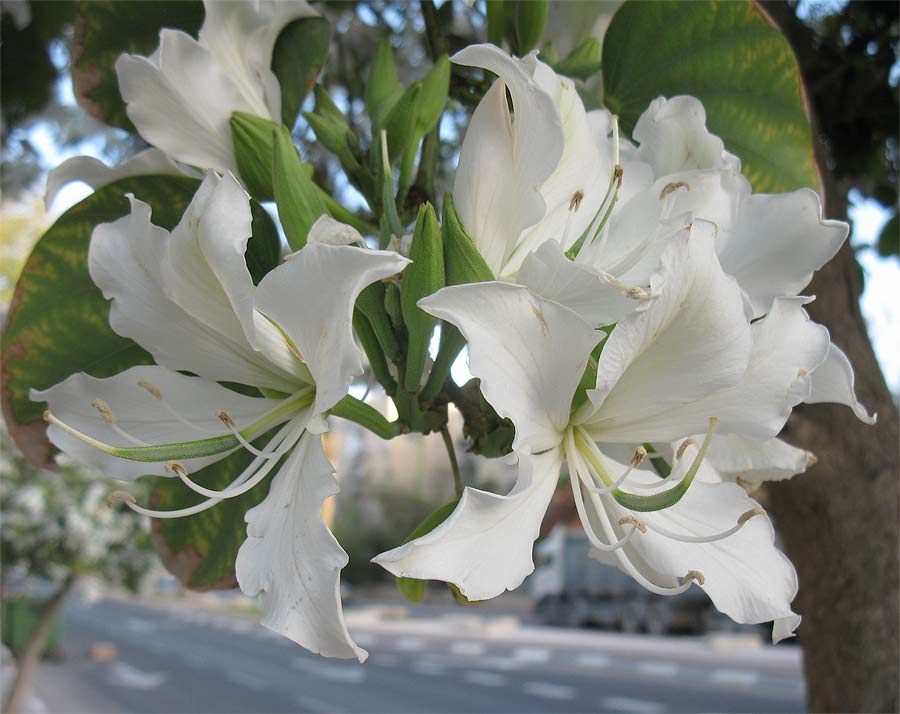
(181, 98)
(96, 174)
(188, 299)
(690, 361)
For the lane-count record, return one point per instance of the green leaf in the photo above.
(727, 55)
(107, 28)
(414, 589)
(57, 323)
(200, 550)
(299, 203)
(383, 89)
(582, 62)
(525, 20)
(433, 98)
(253, 150)
(264, 247)
(299, 55)
(423, 277)
(496, 22)
(401, 122)
(464, 264)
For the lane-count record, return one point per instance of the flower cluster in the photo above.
(644, 327)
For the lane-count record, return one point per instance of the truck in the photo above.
(573, 590)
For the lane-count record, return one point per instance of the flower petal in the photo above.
(181, 101)
(96, 174)
(673, 137)
(754, 461)
(596, 296)
(832, 381)
(693, 340)
(292, 561)
(185, 411)
(311, 298)
(528, 352)
(503, 162)
(126, 261)
(745, 575)
(484, 547)
(777, 242)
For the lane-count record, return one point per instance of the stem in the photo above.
(31, 654)
(367, 416)
(454, 464)
(437, 43)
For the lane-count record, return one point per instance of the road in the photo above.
(182, 660)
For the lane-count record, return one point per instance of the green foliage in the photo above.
(252, 137)
(464, 263)
(107, 28)
(889, 238)
(299, 55)
(582, 62)
(299, 203)
(424, 277)
(727, 55)
(524, 24)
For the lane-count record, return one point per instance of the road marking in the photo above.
(549, 691)
(245, 680)
(627, 704)
(485, 679)
(410, 644)
(735, 676)
(124, 675)
(428, 667)
(531, 654)
(594, 660)
(467, 648)
(349, 673)
(655, 668)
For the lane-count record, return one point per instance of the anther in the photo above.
(693, 575)
(226, 419)
(152, 388)
(46, 415)
(640, 453)
(177, 468)
(811, 459)
(672, 187)
(748, 486)
(744, 517)
(119, 496)
(681, 449)
(618, 172)
(575, 203)
(104, 410)
(632, 521)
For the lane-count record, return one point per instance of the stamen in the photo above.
(693, 575)
(752, 513)
(681, 449)
(640, 453)
(119, 496)
(177, 468)
(672, 187)
(104, 410)
(226, 419)
(577, 198)
(636, 522)
(748, 486)
(153, 389)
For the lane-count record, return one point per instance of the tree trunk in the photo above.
(841, 521)
(27, 661)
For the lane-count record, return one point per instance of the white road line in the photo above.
(467, 648)
(531, 654)
(410, 644)
(245, 680)
(735, 676)
(485, 679)
(632, 706)
(549, 691)
(428, 667)
(594, 660)
(656, 668)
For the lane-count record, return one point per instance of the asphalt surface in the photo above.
(182, 660)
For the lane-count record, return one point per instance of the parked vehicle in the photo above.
(571, 589)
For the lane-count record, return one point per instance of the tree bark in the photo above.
(27, 661)
(840, 522)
